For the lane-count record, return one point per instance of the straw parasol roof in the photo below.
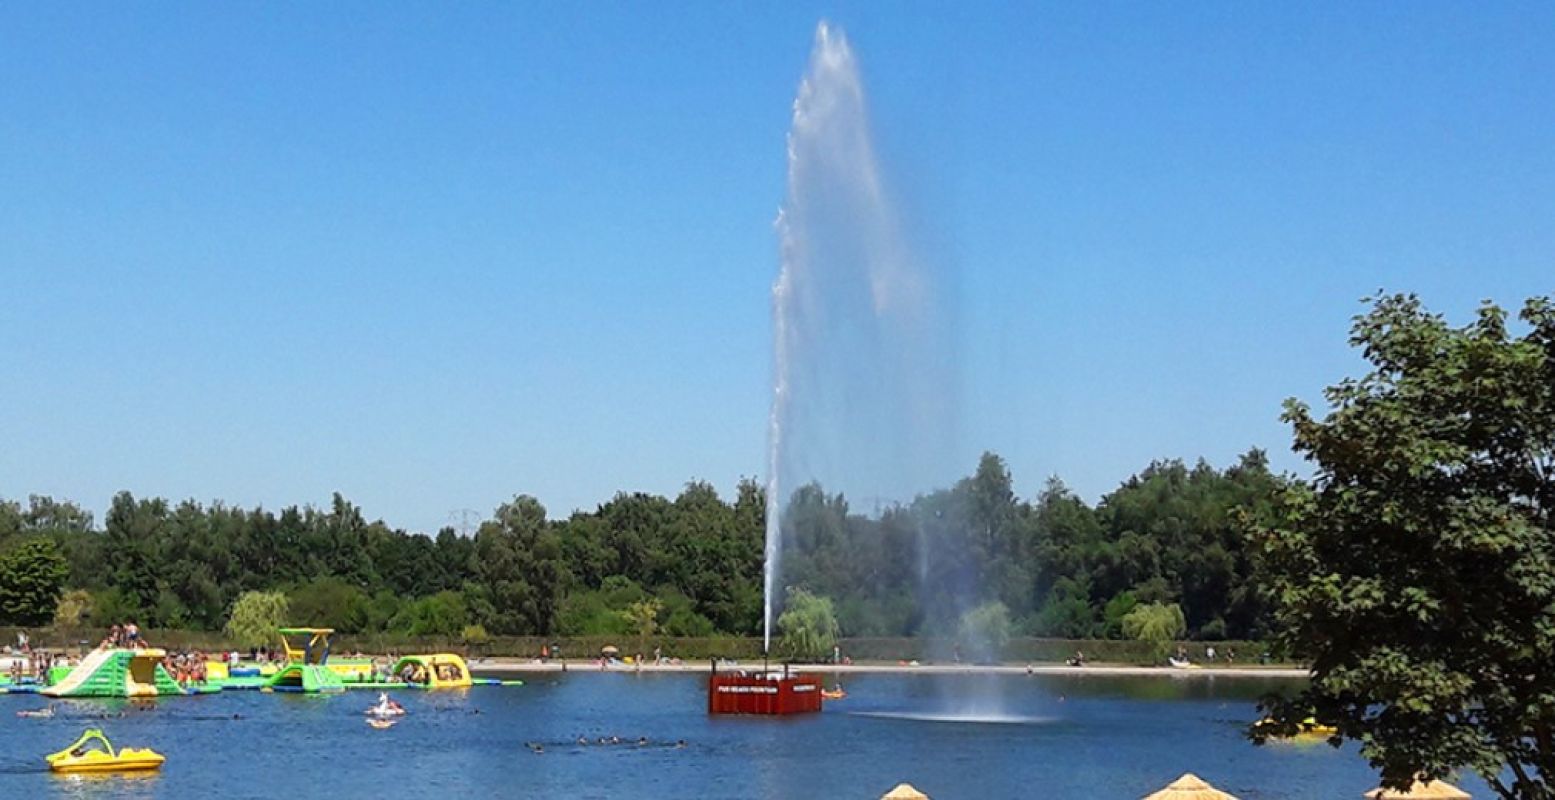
(904, 791)
(1436, 790)
(1190, 787)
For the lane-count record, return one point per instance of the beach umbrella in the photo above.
(904, 791)
(1436, 790)
(609, 650)
(1190, 787)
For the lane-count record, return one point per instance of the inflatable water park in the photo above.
(138, 672)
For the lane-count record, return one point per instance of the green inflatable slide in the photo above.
(117, 672)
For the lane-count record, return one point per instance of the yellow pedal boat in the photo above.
(83, 757)
(1308, 729)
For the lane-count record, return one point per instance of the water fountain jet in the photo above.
(862, 366)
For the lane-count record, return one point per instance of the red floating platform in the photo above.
(768, 693)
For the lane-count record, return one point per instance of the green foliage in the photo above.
(74, 609)
(1068, 613)
(808, 626)
(1417, 568)
(330, 603)
(643, 616)
(1113, 613)
(475, 634)
(441, 614)
(1165, 535)
(255, 617)
(32, 575)
(1158, 624)
(113, 606)
(985, 631)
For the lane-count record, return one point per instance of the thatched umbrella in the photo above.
(1190, 787)
(904, 791)
(1436, 790)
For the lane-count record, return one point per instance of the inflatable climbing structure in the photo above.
(117, 672)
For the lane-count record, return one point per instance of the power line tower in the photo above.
(464, 519)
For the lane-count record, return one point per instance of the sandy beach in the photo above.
(517, 666)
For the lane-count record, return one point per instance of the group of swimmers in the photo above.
(605, 741)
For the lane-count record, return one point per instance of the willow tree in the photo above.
(1416, 570)
(1157, 624)
(808, 625)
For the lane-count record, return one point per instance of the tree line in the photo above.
(688, 566)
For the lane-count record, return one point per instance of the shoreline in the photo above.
(520, 666)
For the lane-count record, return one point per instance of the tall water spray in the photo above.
(862, 383)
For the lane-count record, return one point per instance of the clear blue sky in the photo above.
(433, 256)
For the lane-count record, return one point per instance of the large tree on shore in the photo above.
(1417, 570)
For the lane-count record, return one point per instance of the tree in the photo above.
(643, 616)
(985, 631)
(32, 574)
(808, 626)
(255, 617)
(329, 603)
(1417, 569)
(1159, 624)
(75, 607)
(441, 614)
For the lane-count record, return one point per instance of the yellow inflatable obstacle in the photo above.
(83, 757)
(437, 671)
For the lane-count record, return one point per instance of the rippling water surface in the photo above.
(1050, 737)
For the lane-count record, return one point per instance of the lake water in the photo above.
(1055, 737)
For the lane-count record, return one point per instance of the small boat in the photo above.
(82, 757)
(37, 713)
(380, 724)
(1308, 729)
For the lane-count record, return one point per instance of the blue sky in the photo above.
(432, 256)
